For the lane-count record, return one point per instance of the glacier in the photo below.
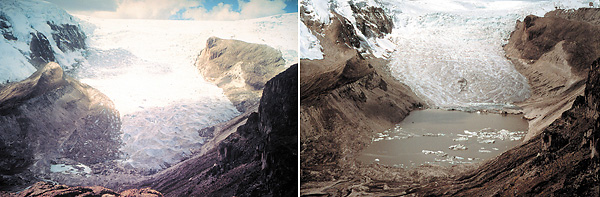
(147, 67)
(448, 52)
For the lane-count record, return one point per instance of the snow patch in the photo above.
(310, 47)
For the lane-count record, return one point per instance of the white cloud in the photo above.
(163, 9)
(251, 9)
(147, 9)
(260, 8)
(219, 12)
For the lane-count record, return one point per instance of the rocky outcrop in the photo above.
(68, 37)
(50, 189)
(372, 21)
(51, 116)
(241, 69)
(256, 160)
(345, 98)
(41, 51)
(554, 52)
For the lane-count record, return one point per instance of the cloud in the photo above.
(178, 9)
(219, 12)
(88, 5)
(250, 9)
(136, 9)
(261, 8)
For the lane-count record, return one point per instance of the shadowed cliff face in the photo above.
(50, 116)
(258, 159)
(241, 69)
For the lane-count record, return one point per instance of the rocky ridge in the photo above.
(241, 69)
(51, 118)
(50, 189)
(554, 52)
(345, 98)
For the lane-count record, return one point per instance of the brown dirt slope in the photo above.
(345, 98)
(554, 53)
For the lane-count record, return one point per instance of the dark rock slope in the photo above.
(258, 159)
(49, 117)
(241, 69)
(345, 98)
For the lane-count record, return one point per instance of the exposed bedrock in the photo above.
(51, 116)
(241, 69)
(255, 158)
(345, 98)
(50, 189)
(554, 52)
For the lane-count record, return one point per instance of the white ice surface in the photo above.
(310, 47)
(437, 43)
(147, 67)
(440, 43)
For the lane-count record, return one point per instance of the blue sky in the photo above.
(291, 6)
(179, 9)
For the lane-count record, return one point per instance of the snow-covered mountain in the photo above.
(36, 32)
(146, 67)
(448, 52)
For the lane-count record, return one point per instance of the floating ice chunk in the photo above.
(495, 148)
(458, 147)
(470, 133)
(487, 141)
(484, 151)
(376, 160)
(460, 139)
(433, 134)
(437, 153)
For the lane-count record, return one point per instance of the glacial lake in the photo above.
(445, 138)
